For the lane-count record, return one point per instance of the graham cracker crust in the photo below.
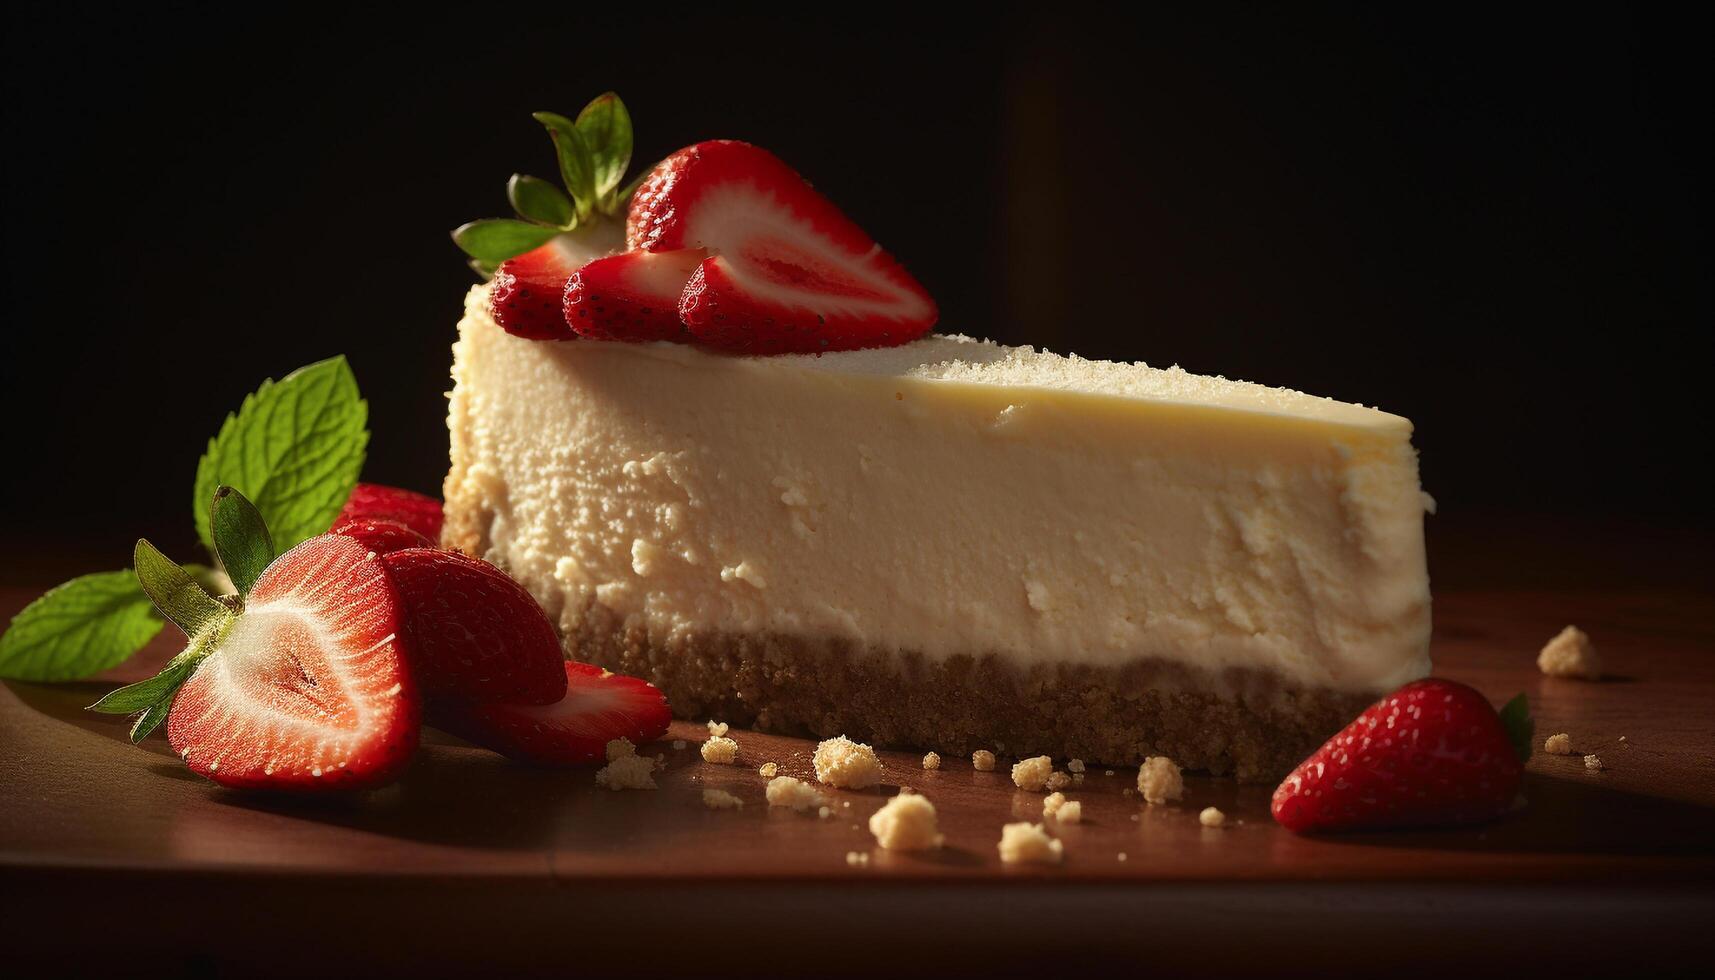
(1112, 717)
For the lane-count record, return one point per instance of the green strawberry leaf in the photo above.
(1515, 717)
(605, 126)
(241, 538)
(577, 167)
(537, 200)
(294, 448)
(175, 593)
(151, 719)
(80, 628)
(144, 695)
(492, 241)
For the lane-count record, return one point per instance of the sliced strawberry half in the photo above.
(787, 271)
(381, 537)
(526, 292)
(309, 688)
(378, 502)
(475, 633)
(598, 706)
(631, 296)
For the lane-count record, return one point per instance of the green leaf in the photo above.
(81, 628)
(294, 449)
(605, 126)
(484, 270)
(1515, 717)
(175, 593)
(577, 168)
(241, 539)
(540, 201)
(151, 719)
(494, 240)
(144, 695)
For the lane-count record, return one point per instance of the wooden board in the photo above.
(472, 861)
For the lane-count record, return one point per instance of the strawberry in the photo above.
(631, 296)
(1432, 754)
(475, 633)
(528, 291)
(598, 707)
(786, 270)
(376, 502)
(380, 537)
(307, 687)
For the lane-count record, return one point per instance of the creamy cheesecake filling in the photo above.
(945, 498)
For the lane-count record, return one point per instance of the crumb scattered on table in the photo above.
(1593, 763)
(1558, 744)
(627, 772)
(1028, 843)
(720, 750)
(1057, 781)
(1159, 780)
(982, 760)
(619, 748)
(847, 764)
(1212, 817)
(793, 793)
(1570, 654)
(906, 823)
(769, 770)
(932, 761)
(1032, 774)
(717, 729)
(1075, 766)
(720, 799)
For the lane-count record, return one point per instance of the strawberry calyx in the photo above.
(1520, 726)
(245, 549)
(593, 152)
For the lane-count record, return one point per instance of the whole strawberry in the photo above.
(1432, 754)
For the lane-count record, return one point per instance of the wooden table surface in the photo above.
(472, 861)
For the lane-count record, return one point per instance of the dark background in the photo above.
(1494, 223)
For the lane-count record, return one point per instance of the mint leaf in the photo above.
(241, 538)
(175, 593)
(492, 241)
(540, 201)
(1515, 718)
(605, 126)
(577, 168)
(81, 628)
(294, 449)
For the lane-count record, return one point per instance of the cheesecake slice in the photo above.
(951, 544)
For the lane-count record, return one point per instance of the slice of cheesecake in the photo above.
(951, 545)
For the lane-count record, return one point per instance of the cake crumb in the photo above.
(1570, 654)
(847, 764)
(1071, 811)
(982, 760)
(619, 748)
(906, 823)
(1159, 780)
(720, 750)
(1212, 817)
(1121, 855)
(1593, 763)
(720, 799)
(932, 761)
(1022, 843)
(825, 812)
(679, 745)
(1558, 744)
(769, 770)
(793, 793)
(856, 858)
(1052, 802)
(1057, 781)
(718, 729)
(627, 772)
(1075, 766)
(1032, 774)
(1109, 772)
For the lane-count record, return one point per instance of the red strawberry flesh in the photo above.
(598, 706)
(1432, 754)
(381, 537)
(632, 296)
(527, 292)
(378, 502)
(787, 270)
(475, 633)
(310, 689)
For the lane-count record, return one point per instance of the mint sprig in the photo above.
(1521, 729)
(80, 628)
(593, 153)
(295, 448)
